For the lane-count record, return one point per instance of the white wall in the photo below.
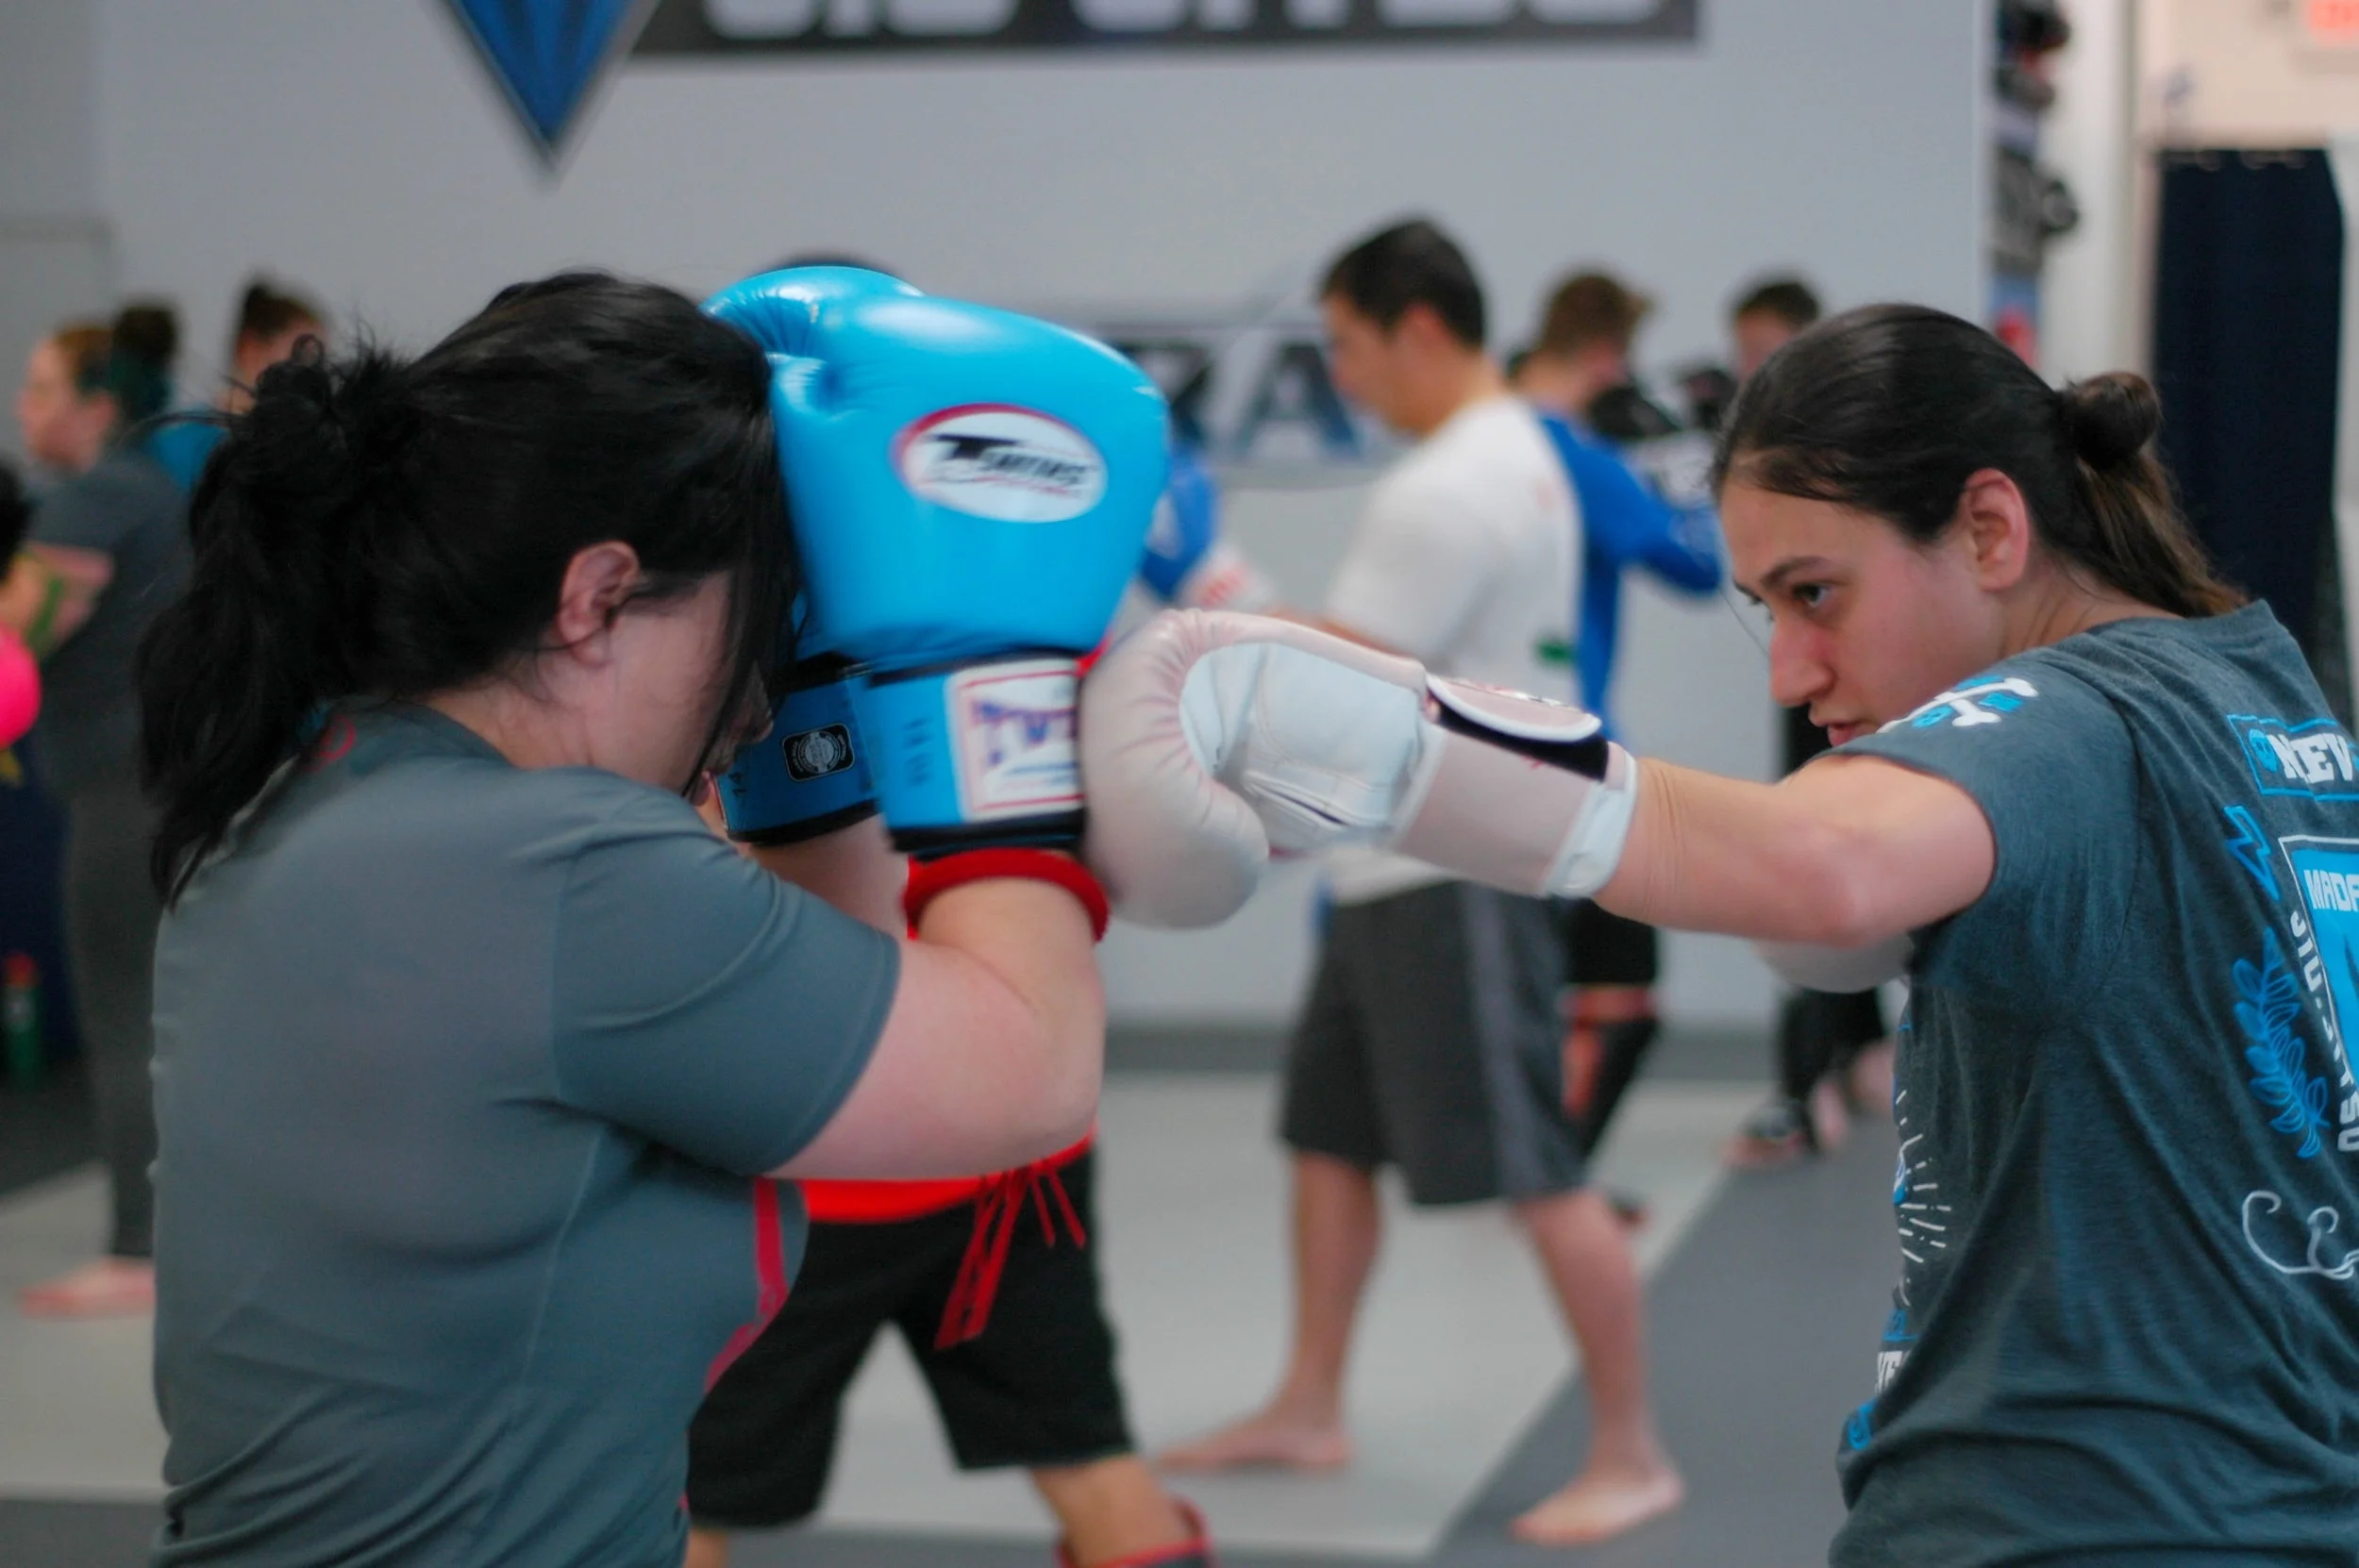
(2242, 73)
(2138, 72)
(359, 149)
(54, 257)
(2090, 322)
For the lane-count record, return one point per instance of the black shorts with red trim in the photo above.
(1036, 1388)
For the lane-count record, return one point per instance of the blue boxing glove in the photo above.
(808, 772)
(809, 775)
(1188, 565)
(971, 490)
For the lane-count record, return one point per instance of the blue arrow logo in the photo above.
(547, 54)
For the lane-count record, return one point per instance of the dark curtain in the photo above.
(2248, 328)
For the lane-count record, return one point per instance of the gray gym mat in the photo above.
(829, 1549)
(46, 1534)
(1764, 1328)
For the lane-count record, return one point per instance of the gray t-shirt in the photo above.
(128, 508)
(2126, 1327)
(461, 1073)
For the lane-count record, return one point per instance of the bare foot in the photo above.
(107, 1288)
(1830, 1117)
(1270, 1438)
(1601, 1504)
(1772, 1136)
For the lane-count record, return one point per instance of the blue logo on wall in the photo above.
(547, 55)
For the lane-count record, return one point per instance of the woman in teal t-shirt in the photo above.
(2098, 812)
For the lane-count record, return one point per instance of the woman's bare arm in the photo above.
(855, 869)
(1845, 852)
(992, 1055)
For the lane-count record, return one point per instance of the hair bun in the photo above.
(319, 436)
(2110, 418)
(356, 405)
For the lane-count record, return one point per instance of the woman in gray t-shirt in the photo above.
(475, 1047)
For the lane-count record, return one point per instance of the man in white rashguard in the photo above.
(1430, 1038)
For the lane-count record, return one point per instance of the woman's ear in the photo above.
(1999, 527)
(599, 581)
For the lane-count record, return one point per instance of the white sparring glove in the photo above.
(1840, 970)
(1211, 740)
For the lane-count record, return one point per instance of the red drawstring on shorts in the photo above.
(1000, 1204)
(998, 1208)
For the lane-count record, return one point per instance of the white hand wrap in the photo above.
(1211, 742)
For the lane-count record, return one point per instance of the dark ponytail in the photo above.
(141, 348)
(1889, 409)
(378, 527)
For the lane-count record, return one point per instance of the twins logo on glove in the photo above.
(1002, 462)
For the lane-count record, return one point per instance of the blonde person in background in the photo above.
(108, 550)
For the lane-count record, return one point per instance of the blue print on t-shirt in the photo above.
(1857, 1431)
(1983, 700)
(2314, 757)
(2268, 1011)
(2325, 962)
(2249, 848)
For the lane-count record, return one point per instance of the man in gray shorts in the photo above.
(1430, 1038)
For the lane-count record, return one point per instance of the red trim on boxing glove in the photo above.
(929, 880)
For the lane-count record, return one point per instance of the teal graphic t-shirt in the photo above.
(465, 1077)
(2126, 1327)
